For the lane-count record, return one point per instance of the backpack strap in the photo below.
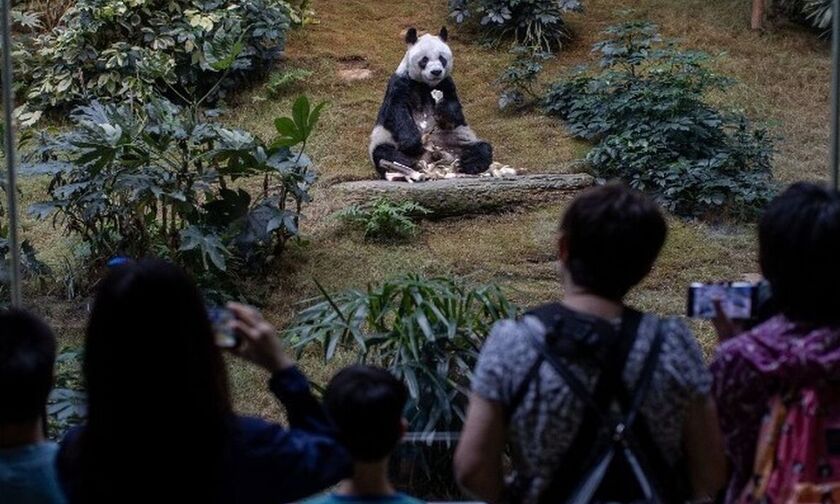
(552, 316)
(632, 475)
(669, 482)
(581, 453)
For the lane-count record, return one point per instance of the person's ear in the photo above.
(403, 427)
(562, 247)
(411, 36)
(444, 33)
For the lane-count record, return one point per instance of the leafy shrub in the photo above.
(537, 24)
(519, 78)
(282, 81)
(300, 12)
(67, 403)
(427, 331)
(816, 13)
(820, 14)
(161, 181)
(384, 219)
(646, 112)
(113, 49)
(49, 12)
(30, 265)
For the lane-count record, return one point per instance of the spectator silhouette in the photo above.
(366, 404)
(609, 239)
(799, 247)
(160, 425)
(27, 460)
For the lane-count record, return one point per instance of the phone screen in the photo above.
(220, 320)
(738, 300)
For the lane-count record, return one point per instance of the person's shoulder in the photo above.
(752, 345)
(677, 334)
(407, 499)
(681, 356)
(327, 498)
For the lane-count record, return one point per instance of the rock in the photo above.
(354, 74)
(459, 196)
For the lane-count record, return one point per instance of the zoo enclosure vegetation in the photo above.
(646, 110)
(427, 331)
(790, 60)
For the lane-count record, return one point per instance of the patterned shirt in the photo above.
(544, 424)
(775, 357)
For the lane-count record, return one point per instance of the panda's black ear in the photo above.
(444, 33)
(411, 36)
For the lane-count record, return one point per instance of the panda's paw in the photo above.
(437, 95)
(476, 158)
(412, 146)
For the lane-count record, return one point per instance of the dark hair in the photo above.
(27, 358)
(614, 235)
(366, 405)
(158, 405)
(799, 250)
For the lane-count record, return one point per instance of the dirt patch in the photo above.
(353, 68)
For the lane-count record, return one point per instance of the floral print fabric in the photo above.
(545, 422)
(776, 357)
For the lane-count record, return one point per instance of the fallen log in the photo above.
(460, 196)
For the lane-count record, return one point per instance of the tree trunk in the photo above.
(459, 196)
(758, 7)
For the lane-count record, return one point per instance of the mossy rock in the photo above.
(462, 196)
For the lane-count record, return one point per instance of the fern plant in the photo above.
(384, 219)
(427, 331)
(282, 81)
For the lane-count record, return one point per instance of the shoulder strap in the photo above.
(658, 479)
(549, 316)
(619, 481)
(583, 453)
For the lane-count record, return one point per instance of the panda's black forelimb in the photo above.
(476, 158)
(389, 153)
(395, 115)
(448, 112)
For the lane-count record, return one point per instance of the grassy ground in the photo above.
(783, 81)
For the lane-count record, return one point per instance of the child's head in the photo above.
(366, 404)
(610, 237)
(27, 357)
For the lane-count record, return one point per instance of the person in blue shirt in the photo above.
(27, 460)
(366, 405)
(160, 424)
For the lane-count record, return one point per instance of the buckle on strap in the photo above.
(618, 432)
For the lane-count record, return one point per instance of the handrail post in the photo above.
(11, 174)
(834, 161)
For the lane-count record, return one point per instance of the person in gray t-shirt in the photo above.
(609, 239)
(27, 460)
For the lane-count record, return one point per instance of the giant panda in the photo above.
(421, 107)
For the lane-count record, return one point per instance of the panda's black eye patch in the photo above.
(423, 62)
(443, 61)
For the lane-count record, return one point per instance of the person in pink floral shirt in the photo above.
(799, 249)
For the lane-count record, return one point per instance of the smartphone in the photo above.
(739, 300)
(223, 333)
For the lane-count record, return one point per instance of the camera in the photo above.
(223, 333)
(739, 300)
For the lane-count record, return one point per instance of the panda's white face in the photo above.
(429, 60)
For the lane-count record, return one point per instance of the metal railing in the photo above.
(11, 167)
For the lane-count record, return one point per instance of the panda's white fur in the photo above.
(438, 56)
